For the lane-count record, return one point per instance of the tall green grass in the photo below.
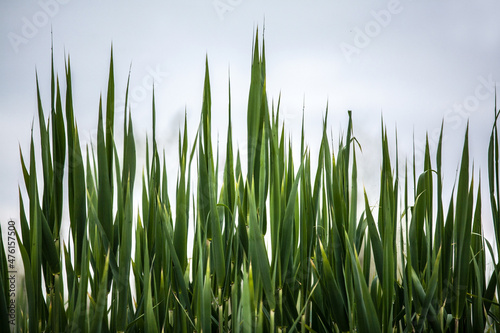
(410, 263)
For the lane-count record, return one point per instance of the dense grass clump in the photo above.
(423, 267)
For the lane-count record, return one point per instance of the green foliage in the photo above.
(330, 266)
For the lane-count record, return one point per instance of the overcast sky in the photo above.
(414, 63)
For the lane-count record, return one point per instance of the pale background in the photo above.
(414, 63)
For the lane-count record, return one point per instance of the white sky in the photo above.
(413, 62)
